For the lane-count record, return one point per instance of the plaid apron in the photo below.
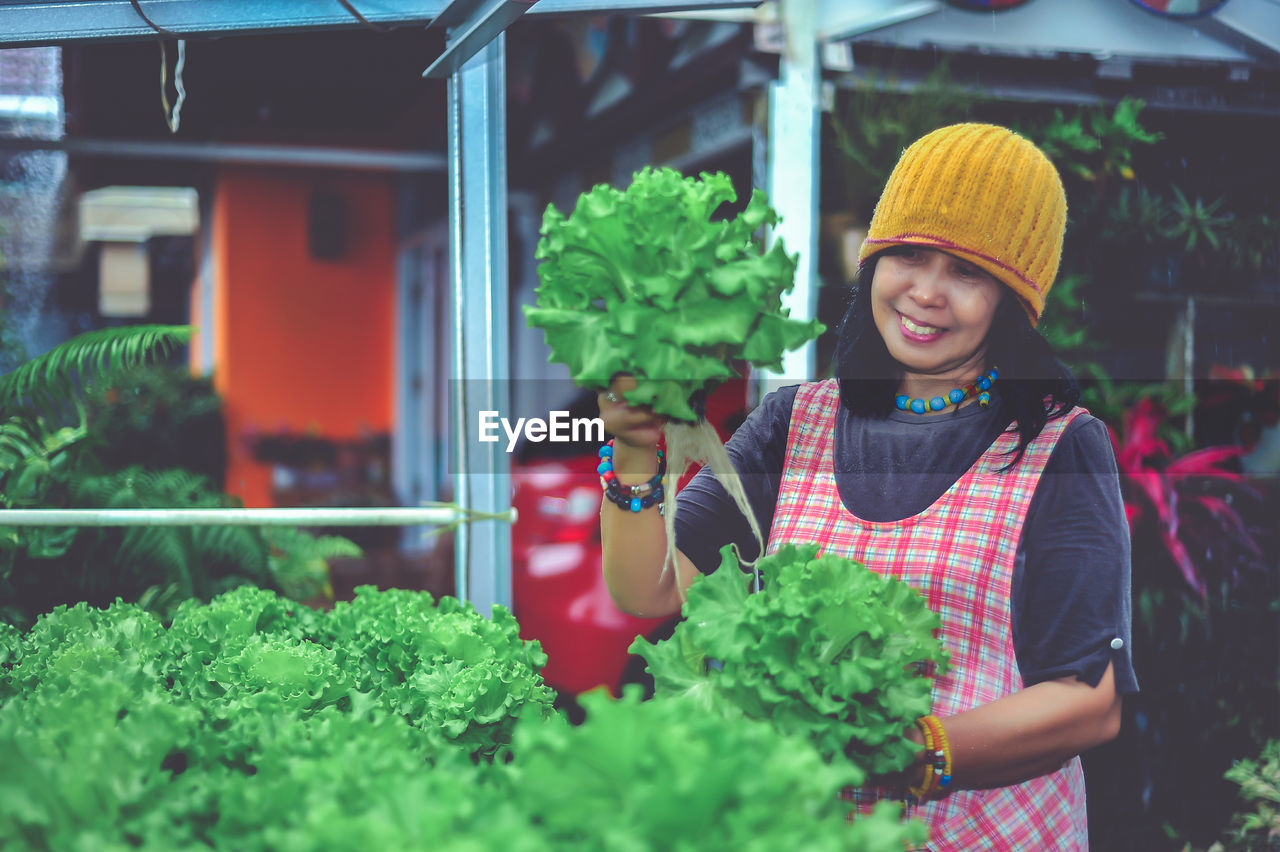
(959, 553)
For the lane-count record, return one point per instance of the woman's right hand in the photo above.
(633, 427)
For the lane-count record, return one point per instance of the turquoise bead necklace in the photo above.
(982, 387)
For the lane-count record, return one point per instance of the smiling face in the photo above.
(933, 311)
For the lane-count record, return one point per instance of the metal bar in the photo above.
(478, 248)
(487, 18)
(793, 170)
(332, 517)
(457, 295)
(61, 21)
(218, 152)
(1189, 365)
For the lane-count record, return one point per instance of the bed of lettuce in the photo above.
(391, 722)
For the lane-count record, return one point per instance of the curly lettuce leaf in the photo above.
(664, 774)
(828, 649)
(644, 281)
(233, 728)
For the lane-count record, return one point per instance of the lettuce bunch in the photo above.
(645, 281)
(254, 722)
(828, 650)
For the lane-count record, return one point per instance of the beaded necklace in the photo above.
(982, 387)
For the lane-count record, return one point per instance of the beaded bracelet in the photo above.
(922, 790)
(941, 758)
(630, 497)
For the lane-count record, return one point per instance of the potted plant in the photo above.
(1199, 229)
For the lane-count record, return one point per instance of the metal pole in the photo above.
(478, 251)
(335, 517)
(793, 170)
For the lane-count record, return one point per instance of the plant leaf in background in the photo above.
(1186, 499)
(48, 382)
(1258, 829)
(644, 281)
(828, 650)
(874, 123)
(96, 382)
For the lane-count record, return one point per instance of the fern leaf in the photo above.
(45, 384)
(233, 550)
(18, 441)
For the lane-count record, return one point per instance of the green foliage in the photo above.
(298, 561)
(194, 556)
(240, 727)
(1256, 829)
(875, 123)
(1064, 323)
(45, 384)
(253, 723)
(645, 282)
(1196, 223)
(829, 650)
(53, 456)
(159, 416)
(1140, 217)
(456, 675)
(1253, 242)
(1110, 401)
(665, 774)
(158, 566)
(1093, 145)
(1147, 223)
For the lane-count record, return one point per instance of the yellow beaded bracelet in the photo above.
(941, 757)
(922, 790)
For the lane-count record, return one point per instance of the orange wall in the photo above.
(301, 345)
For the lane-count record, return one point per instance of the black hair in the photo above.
(1034, 385)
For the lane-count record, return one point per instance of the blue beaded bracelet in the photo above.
(633, 498)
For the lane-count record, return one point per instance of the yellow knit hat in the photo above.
(983, 193)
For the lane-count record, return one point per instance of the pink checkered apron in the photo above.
(959, 553)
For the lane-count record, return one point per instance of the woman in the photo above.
(950, 453)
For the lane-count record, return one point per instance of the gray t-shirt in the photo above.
(1071, 591)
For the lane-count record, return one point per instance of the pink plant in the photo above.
(1188, 499)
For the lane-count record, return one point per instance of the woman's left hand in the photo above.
(1030, 733)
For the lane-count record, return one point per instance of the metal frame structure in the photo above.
(474, 63)
(395, 516)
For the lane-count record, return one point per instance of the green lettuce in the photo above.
(254, 722)
(829, 650)
(644, 281)
(667, 775)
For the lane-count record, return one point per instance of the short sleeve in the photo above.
(1071, 590)
(707, 518)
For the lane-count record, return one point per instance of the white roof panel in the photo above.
(1101, 28)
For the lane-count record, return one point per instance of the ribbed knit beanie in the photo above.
(983, 193)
